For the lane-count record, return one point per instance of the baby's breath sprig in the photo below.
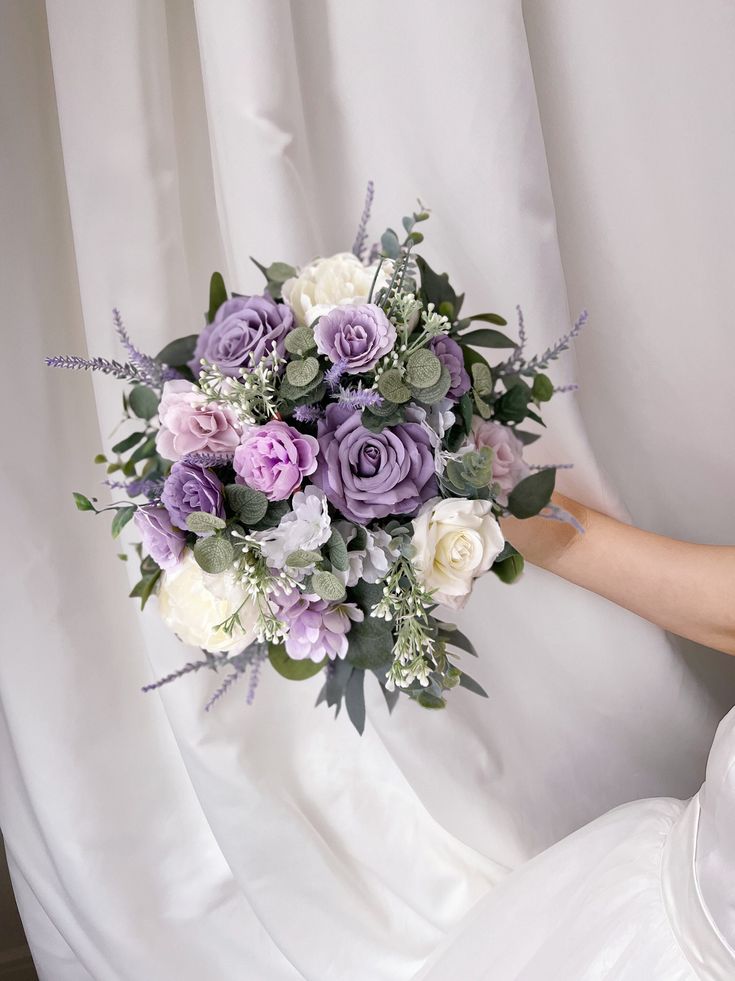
(260, 582)
(406, 603)
(253, 396)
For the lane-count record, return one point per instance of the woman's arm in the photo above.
(685, 588)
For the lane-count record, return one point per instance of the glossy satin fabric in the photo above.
(146, 143)
(619, 900)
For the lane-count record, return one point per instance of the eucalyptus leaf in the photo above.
(201, 521)
(437, 392)
(143, 401)
(390, 244)
(430, 701)
(122, 517)
(301, 374)
(327, 586)
(337, 552)
(423, 369)
(532, 494)
(214, 554)
(303, 558)
(543, 388)
(370, 643)
(393, 389)
(248, 504)
(300, 341)
(482, 378)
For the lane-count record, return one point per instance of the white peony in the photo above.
(455, 540)
(192, 602)
(331, 282)
(307, 527)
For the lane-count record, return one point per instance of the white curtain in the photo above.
(145, 143)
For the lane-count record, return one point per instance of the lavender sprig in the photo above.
(126, 372)
(230, 679)
(358, 247)
(333, 375)
(553, 512)
(308, 413)
(150, 370)
(254, 679)
(209, 661)
(561, 389)
(358, 398)
(136, 488)
(553, 352)
(204, 459)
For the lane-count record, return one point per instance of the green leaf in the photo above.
(337, 552)
(327, 586)
(543, 388)
(299, 341)
(393, 389)
(490, 318)
(274, 512)
(472, 357)
(482, 378)
(355, 700)
(279, 272)
(125, 444)
(512, 406)
(214, 554)
(530, 414)
(178, 352)
(429, 701)
(391, 697)
(437, 392)
(366, 595)
(370, 642)
(423, 369)
(532, 494)
(83, 503)
(508, 566)
(303, 558)
(143, 401)
(465, 681)
(100, 458)
(217, 295)
(122, 516)
(144, 587)
(290, 668)
(487, 337)
(526, 438)
(390, 244)
(144, 451)
(302, 373)
(201, 521)
(452, 635)
(248, 504)
(435, 288)
(465, 408)
(337, 682)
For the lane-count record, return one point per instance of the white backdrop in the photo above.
(146, 143)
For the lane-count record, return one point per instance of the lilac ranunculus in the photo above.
(509, 467)
(368, 475)
(243, 326)
(274, 459)
(191, 424)
(189, 488)
(356, 337)
(450, 355)
(161, 540)
(316, 628)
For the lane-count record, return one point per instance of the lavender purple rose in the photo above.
(161, 540)
(368, 475)
(274, 459)
(355, 337)
(189, 488)
(451, 356)
(243, 326)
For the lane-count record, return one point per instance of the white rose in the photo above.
(192, 602)
(455, 540)
(331, 282)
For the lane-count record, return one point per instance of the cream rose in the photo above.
(330, 282)
(455, 540)
(192, 602)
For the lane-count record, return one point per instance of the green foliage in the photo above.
(143, 401)
(83, 503)
(508, 566)
(487, 337)
(543, 388)
(201, 522)
(214, 554)
(532, 494)
(429, 700)
(274, 512)
(327, 586)
(248, 504)
(303, 374)
(290, 668)
(150, 575)
(487, 318)
(512, 406)
(217, 295)
(453, 636)
(337, 552)
(303, 558)
(300, 341)
(144, 452)
(436, 392)
(122, 517)
(371, 643)
(124, 445)
(436, 289)
(390, 244)
(355, 700)
(423, 369)
(276, 275)
(470, 684)
(391, 386)
(179, 352)
(482, 378)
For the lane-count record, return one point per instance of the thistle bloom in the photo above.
(274, 459)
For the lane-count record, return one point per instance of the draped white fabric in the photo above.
(147, 142)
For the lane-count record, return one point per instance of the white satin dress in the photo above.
(644, 893)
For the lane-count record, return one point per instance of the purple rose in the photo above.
(189, 488)
(161, 540)
(316, 628)
(509, 466)
(274, 459)
(451, 356)
(368, 475)
(356, 337)
(243, 326)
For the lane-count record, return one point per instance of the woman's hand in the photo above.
(685, 588)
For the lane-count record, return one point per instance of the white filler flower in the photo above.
(331, 282)
(193, 602)
(455, 540)
(306, 527)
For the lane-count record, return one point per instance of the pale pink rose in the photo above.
(191, 424)
(508, 465)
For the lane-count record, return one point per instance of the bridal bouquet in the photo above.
(324, 464)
